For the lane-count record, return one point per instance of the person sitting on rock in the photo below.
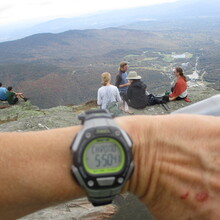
(13, 97)
(136, 94)
(121, 79)
(3, 93)
(179, 91)
(107, 93)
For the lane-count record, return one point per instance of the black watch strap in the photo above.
(92, 114)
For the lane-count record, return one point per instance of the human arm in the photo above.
(118, 81)
(35, 171)
(177, 168)
(16, 93)
(175, 93)
(99, 99)
(176, 171)
(129, 92)
(118, 97)
(124, 85)
(173, 98)
(178, 89)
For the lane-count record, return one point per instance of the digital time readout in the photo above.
(103, 155)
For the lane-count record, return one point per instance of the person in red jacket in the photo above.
(179, 91)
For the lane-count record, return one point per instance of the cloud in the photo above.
(12, 11)
(4, 9)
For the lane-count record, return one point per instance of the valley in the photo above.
(65, 68)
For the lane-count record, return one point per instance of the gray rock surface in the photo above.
(74, 210)
(26, 117)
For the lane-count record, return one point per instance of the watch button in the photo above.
(90, 183)
(88, 135)
(117, 133)
(108, 181)
(120, 180)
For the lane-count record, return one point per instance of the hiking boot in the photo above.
(187, 100)
(25, 99)
(165, 99)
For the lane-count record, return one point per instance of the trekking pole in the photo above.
(166, 107)
(209, 106)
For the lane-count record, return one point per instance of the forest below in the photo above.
(65, 68)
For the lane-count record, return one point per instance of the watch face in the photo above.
(103, 156)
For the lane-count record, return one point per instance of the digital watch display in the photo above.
(102, 157)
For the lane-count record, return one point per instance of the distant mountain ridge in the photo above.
(52, 68)
(177, 10)
(77, 43)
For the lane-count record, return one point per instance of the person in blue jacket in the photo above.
(121, 79)
(3, 91)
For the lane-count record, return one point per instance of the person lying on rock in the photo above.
(108, 93)
(3, 91)
(179, 91)
(176, 174)
(13, 97)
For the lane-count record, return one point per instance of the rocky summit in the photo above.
(26, 117)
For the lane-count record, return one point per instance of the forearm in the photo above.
(124, 85)
(35, 171)
(177, 166)
(172, 155)
(99, 101)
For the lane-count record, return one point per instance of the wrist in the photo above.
(142, 130)
(102, 157)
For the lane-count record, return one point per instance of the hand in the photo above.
(177, 165)
(172, 99)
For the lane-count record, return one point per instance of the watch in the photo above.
(102, 157)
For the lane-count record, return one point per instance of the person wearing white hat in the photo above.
(136, 94)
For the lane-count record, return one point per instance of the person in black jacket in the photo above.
(136, 94)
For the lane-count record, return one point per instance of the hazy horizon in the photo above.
(28, 17)
(35, 11)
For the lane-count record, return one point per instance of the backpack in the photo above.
(161, 100)
(114, 109)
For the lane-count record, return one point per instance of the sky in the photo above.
(29, 11)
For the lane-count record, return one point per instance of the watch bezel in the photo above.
(83, 139)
